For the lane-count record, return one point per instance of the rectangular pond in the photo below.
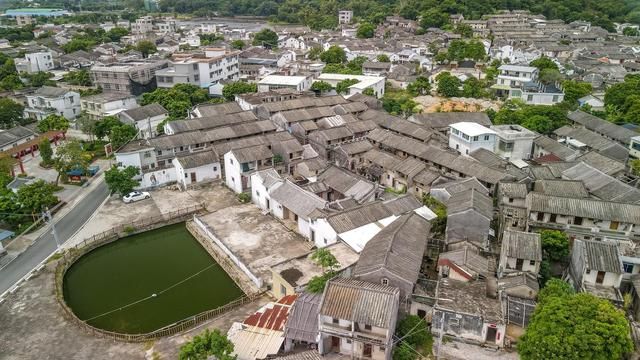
(147, 281)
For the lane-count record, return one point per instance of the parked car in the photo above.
(136, 196)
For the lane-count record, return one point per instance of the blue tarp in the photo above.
(6, 234)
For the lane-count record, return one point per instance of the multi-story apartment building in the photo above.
(132, 77)
(35, 62)
(142, 25)
(49, 100)
(207, 70)
(465, 137)
(521, 82)
(107, 104)
(345, 16)
(24, 20)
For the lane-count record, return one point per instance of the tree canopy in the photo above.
(555, 244)
(574, 326)
(448, 85)
(321, 86)
(365, 30)
(230, 90)
(343, 86)
(10, 113)
(177, 100)
(266, 38)
(121, 181)
(77, 77)
(540, 118)
(543, 63)
(209, 343)
(53, 122)
(70, 156)
(146, 47)
(333, 55)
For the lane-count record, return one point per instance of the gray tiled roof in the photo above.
(600, 255)
(371, 212)
(14, 134)
(522, 245)
(297, 200)
(602, 126)
(146, 111)
(198, 159)
(568, 188)
(398, 248)
(302, 324)
(586, 208)
(50, 91)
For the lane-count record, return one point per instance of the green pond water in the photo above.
(112, 287)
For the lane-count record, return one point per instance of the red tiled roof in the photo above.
(274, 317)
(547, 158)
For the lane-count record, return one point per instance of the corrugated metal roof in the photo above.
(360, 301)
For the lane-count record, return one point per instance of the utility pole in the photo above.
(47, 215)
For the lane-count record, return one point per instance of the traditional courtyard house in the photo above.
(470, 311)
(465, 264)
(521, 251)
(145, 118)
(583, 218)
(242, 162)
(394, 255)
(358, 319)
(469, 216)
(197, 168)
(512, 204)
(596, 268)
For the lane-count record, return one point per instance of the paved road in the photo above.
(45, 245)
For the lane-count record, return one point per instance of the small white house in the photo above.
(521, 251)
(195, 168)
(465, 137)
(35, 62)
(375, 83)
(514, 142)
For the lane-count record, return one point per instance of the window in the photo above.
(335, 321)
(385, 281)
(475, 138)
(283, 290)
(215, 168)
(555, 98)
(532, 262)
(588, 272)
(348, 341)
(257, 193)
(510, 200)
(185, 175)
(231, 161)
(486, 137)
(552, 218)
(628, 268)
(367, 327)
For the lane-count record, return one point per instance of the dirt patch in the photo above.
(430, 104)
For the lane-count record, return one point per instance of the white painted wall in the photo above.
(233, 177)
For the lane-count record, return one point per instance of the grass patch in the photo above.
(55, 257)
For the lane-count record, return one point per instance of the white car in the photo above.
(136, 196)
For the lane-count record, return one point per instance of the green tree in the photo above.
(37, 196)
(78, 44)
(209, 39)
(39, 79)
(321, 86)
(146, 47)
(383, 58)
(555, 244)
(117, 33)
(266, 38)
(230, 90)
(314, 53)
(365, 30)
(439, 224)
(368, 92)
(413, 330)
(472, 88)
(574, 90)
(343, 86)
(421, 86)
(635, 167)
(465, 30)
(578, 326)
(334, 55)
(77, 77)
(209, 343)
(46, 152)
(121, 181)
(448, 85)
(325, 259)
(629, 31)
(553, 289)
(11, 82)
(10, 113)
(70, 156)
(178, 99)
(238, 44)
(404, 351)
(122, 134)
(53, 122)
(434, 18)
(543, 63)
(550, 76)
(102, 128)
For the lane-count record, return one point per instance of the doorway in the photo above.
(600, 277)
(367, 350)
(519, 263)
(491, 334)
(193, 177)
(335, 343)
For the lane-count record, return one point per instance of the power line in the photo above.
(152, 295)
